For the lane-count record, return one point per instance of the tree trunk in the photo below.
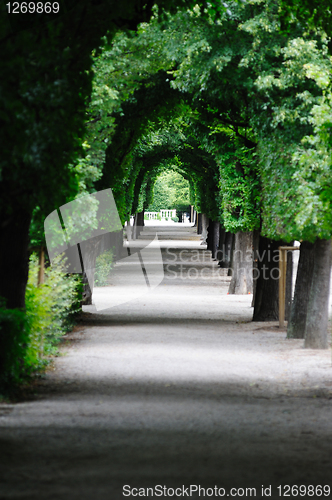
(191, 216)
(195, 218)
(199, 223)
(134, 230)
(41, 267)
(298, 316)
(14, 259)
(221, 244)
(216, 232)
(128, 230)
(225, 250)
(209, 237)
(255, 248)
(89, 251)
(120, 251)
(266, 274)
(242, 282)
(87, 292)
(205, 223)
(289, 282)
(316, 331)
(213, 237)
(138, 224)
(231, 255)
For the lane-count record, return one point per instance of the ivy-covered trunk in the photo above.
(14, 258)
(316, 331)
(298, 316)
(242, 282)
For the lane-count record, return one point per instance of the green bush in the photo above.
(175, 219)
(14, 339)
(28, 338)
(50, 306)
(104, 263)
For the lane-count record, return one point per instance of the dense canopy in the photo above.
(235, 97)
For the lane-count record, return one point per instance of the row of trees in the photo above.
(243, 108)
(236, 97)
(46, 75)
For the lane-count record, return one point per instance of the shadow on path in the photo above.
(177, 388)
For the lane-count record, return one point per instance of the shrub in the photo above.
(104, 263)
(28, 338)
(14, 338)
(51, 305)
(175, 219)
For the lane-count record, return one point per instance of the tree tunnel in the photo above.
(96, 100)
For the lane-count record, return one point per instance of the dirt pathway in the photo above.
(175, 388)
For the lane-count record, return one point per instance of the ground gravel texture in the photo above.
(175, 388)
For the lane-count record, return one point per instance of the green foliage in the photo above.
(59, 129)
(174, 93)
(312, 13)
(180, 187)
(104, 264)
(29, 337)
(52, 86)
(51, 305)
(152, 119)
(46, 85)
(293, 122)
(171, 191)
(244, 83)
(14, 338)
(162, 195)
(240, 190)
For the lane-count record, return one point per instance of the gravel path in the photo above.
(176, 388)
